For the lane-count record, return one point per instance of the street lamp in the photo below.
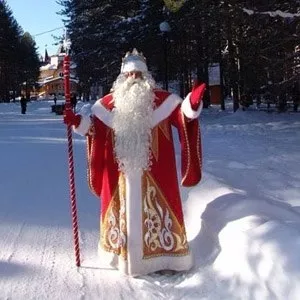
(165, 29)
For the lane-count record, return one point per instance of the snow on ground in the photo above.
(243, 219)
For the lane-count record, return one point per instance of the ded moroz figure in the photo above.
(132, 169)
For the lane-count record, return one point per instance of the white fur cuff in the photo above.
(187, 109)
(84, 125)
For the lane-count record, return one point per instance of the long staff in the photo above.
(68, 106)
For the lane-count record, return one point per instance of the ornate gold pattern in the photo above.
(164, 127)
(91, 130)
(198, 148)
(154, 143)
(188, 148)
(162, 233)
(90, 153)
(113, 226)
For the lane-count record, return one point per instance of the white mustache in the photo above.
(130, 81)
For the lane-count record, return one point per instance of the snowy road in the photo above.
(246, 243)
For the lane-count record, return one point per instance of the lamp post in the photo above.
(165, 29)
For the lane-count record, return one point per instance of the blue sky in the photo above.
(39, 16)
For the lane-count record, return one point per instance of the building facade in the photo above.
(51, 80)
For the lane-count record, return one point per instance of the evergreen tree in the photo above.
(9, 34)
(102, 33)
(19, 61)
(253, 43)
(29, 62)
(268, 47)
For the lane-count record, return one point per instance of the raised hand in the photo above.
(197, 95)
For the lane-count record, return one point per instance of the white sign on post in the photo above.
(214, 74)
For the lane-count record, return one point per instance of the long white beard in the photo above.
(133, 113)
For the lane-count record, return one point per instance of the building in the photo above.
(51, 80)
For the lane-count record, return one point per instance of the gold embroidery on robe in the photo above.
(164, 128)
(188, 150)
(162, 233)
(113, 227)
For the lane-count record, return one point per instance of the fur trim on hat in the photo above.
(134, 65)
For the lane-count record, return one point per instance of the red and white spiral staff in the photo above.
(68, 106)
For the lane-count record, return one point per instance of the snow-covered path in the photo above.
(243, 219)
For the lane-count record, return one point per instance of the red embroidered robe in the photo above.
(142, 226)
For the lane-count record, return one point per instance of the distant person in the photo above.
(74, 102)
(281, 102)
(296, 102)
(243, 101)
(268, 100)
(23, 102)
(258, 101)
(55, 100)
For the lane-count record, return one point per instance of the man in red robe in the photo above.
(132, 169)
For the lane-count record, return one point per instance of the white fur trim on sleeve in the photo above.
(165, 109)
(102, 113)
(187, 109)
(84, 125)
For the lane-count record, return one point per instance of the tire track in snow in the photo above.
(42, 259)
(13, 243)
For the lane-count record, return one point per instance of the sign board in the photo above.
(214, 74)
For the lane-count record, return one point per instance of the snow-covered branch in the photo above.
(276, 13)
